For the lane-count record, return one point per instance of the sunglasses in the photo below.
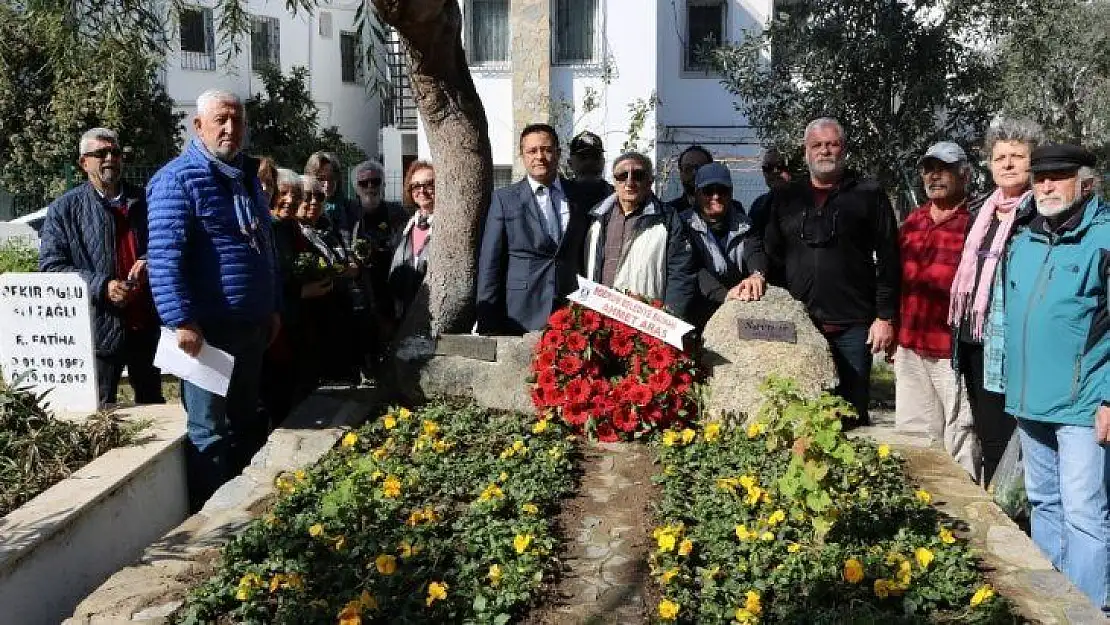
(716, 189)
(370, 182)
(637, 175)
(426, 187)
(103, 153)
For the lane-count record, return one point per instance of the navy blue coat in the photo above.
(524, 274)
(79, 236)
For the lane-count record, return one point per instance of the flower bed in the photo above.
(606, 379)
(442, 515)
(787, 520)
(38, 450)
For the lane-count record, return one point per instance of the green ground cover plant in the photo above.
(38, 451)
(18, 255)
(786, 520)
(440, 515)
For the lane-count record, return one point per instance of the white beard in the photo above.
(1056, 209)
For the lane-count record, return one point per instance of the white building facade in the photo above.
(324, 42)
(627, 70)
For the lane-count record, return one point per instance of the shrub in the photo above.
(18, 255)
(443, 515)
(787, 520)
(37, 450)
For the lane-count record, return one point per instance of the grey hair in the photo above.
(822, 122)
(1018, 129)
(321, 158)
(212, 97)
(96, 134)
(1086, 173)
(643, 160)
(371, 166)
(287, 177)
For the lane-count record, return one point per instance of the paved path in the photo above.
(608, 526)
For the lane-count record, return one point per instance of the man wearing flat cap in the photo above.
(719, 228)
(931, 400)
(587, 162)
(1058, 365)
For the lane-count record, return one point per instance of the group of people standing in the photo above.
(994, 310)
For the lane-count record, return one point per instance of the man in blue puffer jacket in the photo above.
(214, 279)
(1057, 366)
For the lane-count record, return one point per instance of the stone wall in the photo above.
(739, 365)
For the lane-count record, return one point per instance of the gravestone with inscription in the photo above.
(46, 338)
(747, 341)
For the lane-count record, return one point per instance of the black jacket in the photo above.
(79, 236)
(840, 260)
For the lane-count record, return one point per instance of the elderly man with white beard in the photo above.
(1058, 365)
(834, 240)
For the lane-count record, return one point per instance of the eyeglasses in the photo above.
(103, 153)
(426, 187)
(370, 182)
(637, 175)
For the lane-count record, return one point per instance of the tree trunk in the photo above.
(455, 122)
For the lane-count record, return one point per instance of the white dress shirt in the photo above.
(546, 197)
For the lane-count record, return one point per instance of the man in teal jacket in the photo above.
(1058, 365)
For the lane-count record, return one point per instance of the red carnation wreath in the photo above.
(605, 378)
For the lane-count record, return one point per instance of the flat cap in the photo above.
(586, 142)
(1060, 157)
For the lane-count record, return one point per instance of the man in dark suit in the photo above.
(531, 242)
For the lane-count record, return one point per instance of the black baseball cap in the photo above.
(586, 142)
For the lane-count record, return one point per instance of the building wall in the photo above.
(642, 46)
(346, 105)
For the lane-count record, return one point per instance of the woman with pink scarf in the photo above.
(1008, 145)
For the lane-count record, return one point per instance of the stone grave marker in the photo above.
(46, 338)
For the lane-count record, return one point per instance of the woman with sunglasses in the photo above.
(410, 251)
(330, 318)
(977, 350)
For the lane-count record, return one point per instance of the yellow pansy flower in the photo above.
(380, 453)
(441, 446)
(389, 422)
(766, 536)
(407, 550)
(688, 436)
(853, 571)
(247, 585)
(793, 548)
(685, 547)
(670, 437)
(923, 556)
(882, 588)
(755, 428)
(539, 427)
(502, 476)
(666, 541)
(350, 614)
(391, 487)
(743, 534)
(667, 576)
(386, 564)
(752, 603)
(712, 431)
(315, 530)
(884, 450)
(778, 516)
(300, 475)
(430, 428)
(530, 508)
(437, 591)
(493, 491)
(404, 414)
(668, 610)
(946, 536)
(494, 574)
(984, 593)
(349, 439)
(521, 542)
(923, 496)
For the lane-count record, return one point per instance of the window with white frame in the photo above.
(198, 49)
(705, 30)
(349, 63)
(265, 42)
(575, 32)
(487, 33)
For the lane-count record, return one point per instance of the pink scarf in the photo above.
(963, 286)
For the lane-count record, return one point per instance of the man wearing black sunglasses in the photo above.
(776, 174)
(636, 243)
(834, 239)
(690, 161)
(378, 225)
(99, 231)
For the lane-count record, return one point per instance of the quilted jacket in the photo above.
(203, 268)
(79, 236)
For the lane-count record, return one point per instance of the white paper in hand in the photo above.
(210, 370)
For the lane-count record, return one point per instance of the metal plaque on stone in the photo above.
(768, 330)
